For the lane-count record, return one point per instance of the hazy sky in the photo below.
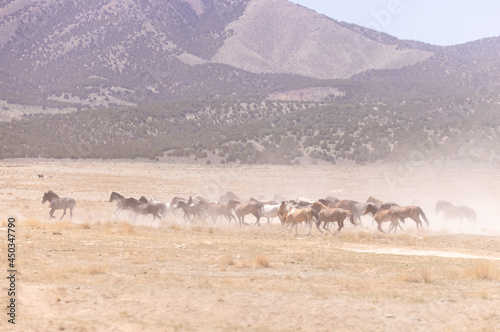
(439, 22)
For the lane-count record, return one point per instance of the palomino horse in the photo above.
(451, 211)
(327, 215)
(293, 216)
(57, 203)
(385, 215)
(122, 203)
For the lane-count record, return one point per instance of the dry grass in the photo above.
(85, 226)
(483, 270)
(426, 275)
(261, 261)
(181, 276)
(227, 261)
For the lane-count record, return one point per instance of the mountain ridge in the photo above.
(235, 81)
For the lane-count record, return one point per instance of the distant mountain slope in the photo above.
(101, 53)
(236, 81)
(276, 36)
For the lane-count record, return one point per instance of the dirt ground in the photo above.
(99, 274)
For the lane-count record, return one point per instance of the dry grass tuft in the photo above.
(261, 261)
(423, 274)
(60, 225)
(174, 227)
(126, 228)
(483, 270)
(227, 261)
(410, 277)
(85, 226)
(91, 269)
(33, 223)
(426, 275)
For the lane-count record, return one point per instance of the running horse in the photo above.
(57, 203)
(122, 203)
(391, 215)
(292, 216)
(451, 211)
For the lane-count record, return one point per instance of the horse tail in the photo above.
(351, 217)
(423, 215)
(316, 216)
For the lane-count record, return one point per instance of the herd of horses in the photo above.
(290, 213)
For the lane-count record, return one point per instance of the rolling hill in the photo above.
(245, 81)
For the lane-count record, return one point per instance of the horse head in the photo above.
(49, 196)
(371, 208)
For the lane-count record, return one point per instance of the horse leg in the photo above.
(380, 227)
(243, 221)
(318, 223)
(70, 213)
(341, 225)
(324, 226)
(417, 221)
(64, 213)
(51, 213)
(258, 219)
(310, 228)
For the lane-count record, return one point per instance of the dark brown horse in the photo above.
(57, 203)
(191, 212)
(122, 203)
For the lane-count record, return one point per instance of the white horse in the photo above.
(269, 211)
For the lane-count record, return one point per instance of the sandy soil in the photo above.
(100, 274)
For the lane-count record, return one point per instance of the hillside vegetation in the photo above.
(236, 81)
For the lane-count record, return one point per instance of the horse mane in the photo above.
(52, 194)
(117, 194)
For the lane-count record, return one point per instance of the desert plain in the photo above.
(98, 273)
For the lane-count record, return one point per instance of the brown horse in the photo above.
(412, 212)
(389, 215)
(291, 216)
(380, 204)
(327, 215)
(250, 207)
(215, 210)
